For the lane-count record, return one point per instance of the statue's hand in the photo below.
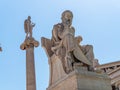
(53, 49)
(78, 39)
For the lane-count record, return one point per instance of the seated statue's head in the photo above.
(67, 17)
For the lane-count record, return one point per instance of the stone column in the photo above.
(29, 45)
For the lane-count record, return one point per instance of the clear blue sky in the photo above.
(97, 21)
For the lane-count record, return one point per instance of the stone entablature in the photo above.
(113, 70)
(109, 66)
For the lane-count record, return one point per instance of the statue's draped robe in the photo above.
(69, 44)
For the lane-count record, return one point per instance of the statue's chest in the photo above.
(68, 31)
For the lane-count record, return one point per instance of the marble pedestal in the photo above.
(79, 79)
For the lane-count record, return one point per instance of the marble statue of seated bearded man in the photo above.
(66, 46)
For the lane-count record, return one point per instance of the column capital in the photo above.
(29, 42)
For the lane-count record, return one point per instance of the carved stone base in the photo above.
(82, 80)
(79, 79)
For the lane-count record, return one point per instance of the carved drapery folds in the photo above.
(67, 47)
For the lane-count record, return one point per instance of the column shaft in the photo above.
(30, 69)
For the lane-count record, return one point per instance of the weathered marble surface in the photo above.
(79, 79)
(28, 27)
(71, 65)
(82, 80)
(28, 45)
(113, 71)
(66, 46)
(28, 42)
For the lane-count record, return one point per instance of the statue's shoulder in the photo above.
(59, 25)
(73, 29)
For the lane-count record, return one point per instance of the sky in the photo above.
(97, 21)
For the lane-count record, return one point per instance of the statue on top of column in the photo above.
(28, 26)
(66, 46)
(29, 40)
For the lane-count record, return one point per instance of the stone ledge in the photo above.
(78, 77)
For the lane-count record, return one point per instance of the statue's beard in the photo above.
(67, 22)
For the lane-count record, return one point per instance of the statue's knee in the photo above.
(89, 46)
